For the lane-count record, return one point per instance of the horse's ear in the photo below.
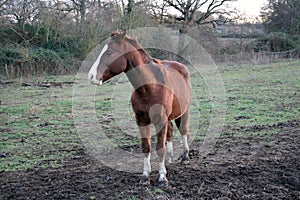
(115, 33)
(123, 34)
(117, 36)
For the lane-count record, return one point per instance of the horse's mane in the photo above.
(133, 41)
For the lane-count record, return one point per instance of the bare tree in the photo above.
(282, 16)
(201, 11)
(80, 6)
(79, 9)
(2, 3)
(21, 11)
(134, 14)
(158, 9)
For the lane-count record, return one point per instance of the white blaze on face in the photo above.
(93, 71)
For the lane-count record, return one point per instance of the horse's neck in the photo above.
(138, 57)
(139, 72)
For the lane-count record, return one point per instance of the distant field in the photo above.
(228, 41)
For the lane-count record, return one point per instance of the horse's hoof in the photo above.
(163, 183)
(169, 162)
(145, 180)
(185, 162)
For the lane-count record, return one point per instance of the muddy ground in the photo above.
(249, 166)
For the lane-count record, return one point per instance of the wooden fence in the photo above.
(262, 57)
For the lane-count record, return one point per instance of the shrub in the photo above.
(274, 42)
(16, 60)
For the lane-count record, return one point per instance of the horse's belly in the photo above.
(175, 102)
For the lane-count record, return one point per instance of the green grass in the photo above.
(37, 128)
(262, 94)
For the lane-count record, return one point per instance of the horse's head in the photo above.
(111, 61)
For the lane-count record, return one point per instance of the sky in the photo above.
(249, 7)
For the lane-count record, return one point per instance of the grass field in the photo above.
(37, 128)
(42, 154)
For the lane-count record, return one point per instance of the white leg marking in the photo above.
(147, 166)
(169, 152)
(93, 71)
(185, 143)
(162, 171)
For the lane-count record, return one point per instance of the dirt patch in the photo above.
(247, 167)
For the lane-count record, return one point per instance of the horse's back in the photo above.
(175, 66)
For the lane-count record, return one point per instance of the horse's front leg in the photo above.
(161, 152)
(146, 148)
(169, 143)
(159, 119)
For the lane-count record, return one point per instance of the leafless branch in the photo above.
(189, 8)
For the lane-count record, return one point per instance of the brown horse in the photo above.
(162, 92)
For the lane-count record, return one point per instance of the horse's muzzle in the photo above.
(94, 81)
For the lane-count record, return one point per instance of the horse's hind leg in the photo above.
(183, 125)
(169, 143)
